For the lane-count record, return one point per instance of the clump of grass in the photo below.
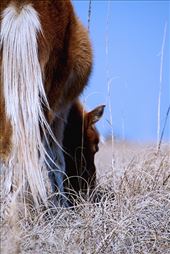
(131, 216)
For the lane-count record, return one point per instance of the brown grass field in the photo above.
(132, 214)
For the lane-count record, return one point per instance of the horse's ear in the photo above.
(95, 115)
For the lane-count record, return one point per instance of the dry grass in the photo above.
(133, 215)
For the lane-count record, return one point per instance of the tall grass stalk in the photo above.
(109, 80)
(163, 130)
(160, 86)
(89, 15)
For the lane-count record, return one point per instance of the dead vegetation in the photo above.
(132, 215)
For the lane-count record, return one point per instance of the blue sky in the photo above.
(127, 38)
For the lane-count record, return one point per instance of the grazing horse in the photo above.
(45, 63)
(80, 142)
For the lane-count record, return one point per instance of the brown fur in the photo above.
(65, 57)
(5, 131)
(64, 52)
(80, 142)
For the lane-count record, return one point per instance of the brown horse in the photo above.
(45, 62)
(81, 140)
(80, 143)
